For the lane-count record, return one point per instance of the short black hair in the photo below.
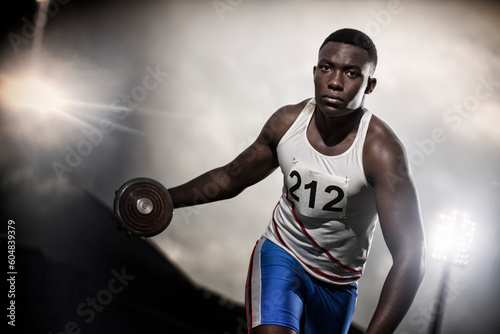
(354, 37)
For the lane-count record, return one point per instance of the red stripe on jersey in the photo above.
(316, 270)
(315, 244)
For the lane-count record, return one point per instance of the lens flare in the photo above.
(30, 93)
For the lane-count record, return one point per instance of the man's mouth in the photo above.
(333, 99)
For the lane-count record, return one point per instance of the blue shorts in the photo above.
(280, 292)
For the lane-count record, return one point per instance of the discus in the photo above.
(143, 207)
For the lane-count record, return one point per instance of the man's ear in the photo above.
(314, 70)
(372, 82)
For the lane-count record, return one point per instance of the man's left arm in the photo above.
(398, 209)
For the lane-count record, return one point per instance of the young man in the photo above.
(342, 168)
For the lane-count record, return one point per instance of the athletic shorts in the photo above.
(280, 292)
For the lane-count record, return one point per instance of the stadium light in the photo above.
(453, 238)
(451, 243)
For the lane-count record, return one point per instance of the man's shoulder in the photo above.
(292, 111)
(283, 119)
(382, 151)
(380, 135)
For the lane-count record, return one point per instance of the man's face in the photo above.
(342, 78)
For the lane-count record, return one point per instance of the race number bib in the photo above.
(317, 195)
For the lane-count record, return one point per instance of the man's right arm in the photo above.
(251, 166)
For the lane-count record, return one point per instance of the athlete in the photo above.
(343, 169)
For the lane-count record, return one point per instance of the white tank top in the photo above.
(325, 217)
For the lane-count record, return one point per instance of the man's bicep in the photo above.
(398, 204)
(253, 164)
(260, 159)
(400, 218)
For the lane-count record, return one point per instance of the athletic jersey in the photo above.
(325, 217)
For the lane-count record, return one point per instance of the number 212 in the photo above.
(312, 193)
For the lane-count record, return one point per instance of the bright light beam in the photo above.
(78, 117)
(98, 105)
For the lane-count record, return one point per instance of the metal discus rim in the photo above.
(143, 206)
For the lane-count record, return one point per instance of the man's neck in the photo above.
(334, 130)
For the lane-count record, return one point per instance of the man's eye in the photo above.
(325, 67)
(352, 74)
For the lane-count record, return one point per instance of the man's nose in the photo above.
(336, 81)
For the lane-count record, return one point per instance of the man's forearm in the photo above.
(205, 188)
(211, 186)
(398, 292)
